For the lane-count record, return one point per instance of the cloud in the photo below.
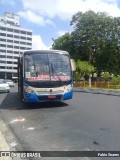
(34, 18)
(37, 43)
(61, 33)
(64, 9)
(8, 2)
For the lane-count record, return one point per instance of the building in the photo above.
(13, 41)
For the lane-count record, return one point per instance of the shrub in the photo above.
(105, 75)
(116, 80)
(76, 76)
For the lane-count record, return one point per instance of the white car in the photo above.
(9, 82)
(4, 87)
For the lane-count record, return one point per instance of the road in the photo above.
(88, 122)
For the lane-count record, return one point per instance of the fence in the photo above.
(100, 84)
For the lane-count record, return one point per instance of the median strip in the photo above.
(97, 91)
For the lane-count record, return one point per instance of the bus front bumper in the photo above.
(34, 98)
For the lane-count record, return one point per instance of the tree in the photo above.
(96, 36)
(84, 69)
(65, 42)
(105, 75)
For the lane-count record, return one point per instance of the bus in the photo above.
(45, 75)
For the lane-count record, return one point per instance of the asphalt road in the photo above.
(88, 122)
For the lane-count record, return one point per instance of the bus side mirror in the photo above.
(73, 64)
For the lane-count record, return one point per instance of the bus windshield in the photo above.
(47, 67)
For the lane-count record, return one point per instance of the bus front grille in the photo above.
(47, 92)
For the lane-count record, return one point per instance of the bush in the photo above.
(76, 76)
(116, 80)
(105, 75)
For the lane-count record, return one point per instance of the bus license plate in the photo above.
(51, 96)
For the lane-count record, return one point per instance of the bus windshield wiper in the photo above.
(54, 71)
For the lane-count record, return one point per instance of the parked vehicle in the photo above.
(9, 82)
(45, 75)
(4, 87)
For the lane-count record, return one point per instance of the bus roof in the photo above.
(46, 51)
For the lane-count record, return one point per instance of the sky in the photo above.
(50, 19)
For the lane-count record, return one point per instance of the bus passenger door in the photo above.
(20, 77)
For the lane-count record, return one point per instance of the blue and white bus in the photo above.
(45, 75)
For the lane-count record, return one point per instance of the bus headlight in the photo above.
(69, 88)
(29, 90)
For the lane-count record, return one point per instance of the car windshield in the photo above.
(1, 81)
(47, 67)
(7, 80)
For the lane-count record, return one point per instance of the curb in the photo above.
(97, 91)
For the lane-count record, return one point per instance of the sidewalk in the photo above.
(8, 141)
(3, 143)
(4, 147)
